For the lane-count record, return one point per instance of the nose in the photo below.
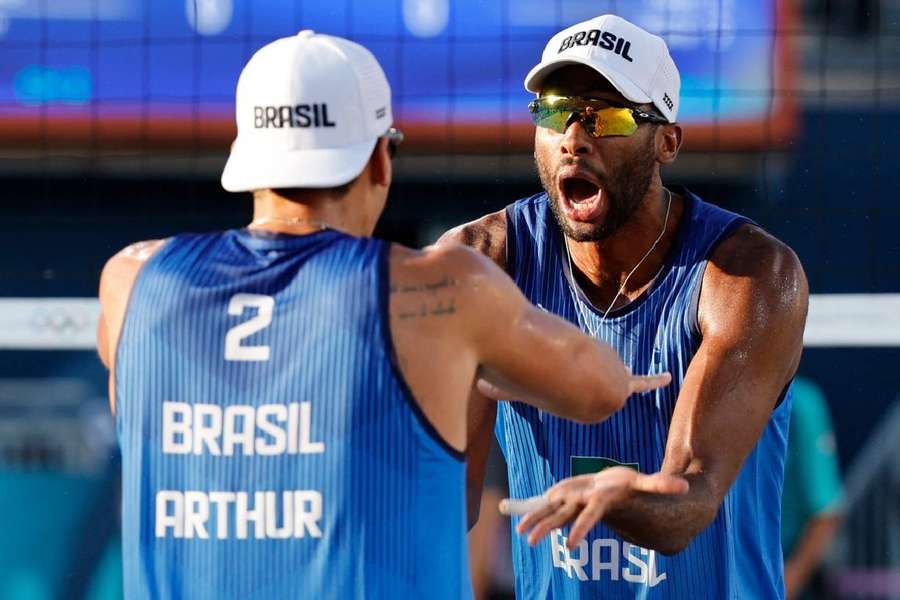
(575, 140)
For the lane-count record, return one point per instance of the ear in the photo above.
(381, 170)
(668, 143)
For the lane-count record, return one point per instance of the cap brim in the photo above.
(250, 169)
(535, 78)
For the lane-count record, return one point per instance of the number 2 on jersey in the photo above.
(236, 306)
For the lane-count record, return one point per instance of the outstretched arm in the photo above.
(487, 235)
(752, 314)
(542, 359)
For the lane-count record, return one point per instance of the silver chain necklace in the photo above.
(573, 283)
(291, 221)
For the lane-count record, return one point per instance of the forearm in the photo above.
(664, 523)
(809, 551)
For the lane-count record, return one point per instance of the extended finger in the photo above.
(590, 516)
(660, 483)
(556, 495)
(557, 519)
(511, 506)
(532, 518)
(645, 383)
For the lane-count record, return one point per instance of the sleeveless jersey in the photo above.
(739, 554)
(270, 446)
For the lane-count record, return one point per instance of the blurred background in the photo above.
(115, 121)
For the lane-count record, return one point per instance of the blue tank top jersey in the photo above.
(270, 446)
(739, 554)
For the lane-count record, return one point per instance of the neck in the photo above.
(603, 268)
(310, 212)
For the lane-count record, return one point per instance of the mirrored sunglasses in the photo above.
(597, 117)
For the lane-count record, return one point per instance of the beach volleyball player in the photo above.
(291, 397)
(673, 284)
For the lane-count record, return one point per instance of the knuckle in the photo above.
(557, 495)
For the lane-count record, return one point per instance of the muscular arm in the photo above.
(752, 314)
(488, 236)
(539, 358)
(544, 360)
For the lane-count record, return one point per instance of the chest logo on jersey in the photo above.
(587, 465)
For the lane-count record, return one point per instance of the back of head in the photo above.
(309, 110)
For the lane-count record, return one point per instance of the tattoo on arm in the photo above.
(425, 310)
(430, 287)
(429, 305)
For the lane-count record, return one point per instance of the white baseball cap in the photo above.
(636, 62)
(309, 110)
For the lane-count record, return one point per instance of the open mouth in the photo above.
(582, 199)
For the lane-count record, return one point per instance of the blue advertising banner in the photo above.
(135, 69)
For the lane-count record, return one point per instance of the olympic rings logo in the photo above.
(60, 321)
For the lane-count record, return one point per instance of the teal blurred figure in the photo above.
(812, 502)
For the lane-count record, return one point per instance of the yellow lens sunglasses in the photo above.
(597, 117)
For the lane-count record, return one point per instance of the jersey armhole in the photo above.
(783, 395)
(510, 243)
(384, 299)
(694, 306)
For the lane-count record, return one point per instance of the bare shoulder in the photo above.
(120, 272)
(116, 281)
(128, 261)
(487, 235)
(753, 270)
(141, 251)
(450, 262)
(447, 271)
(752, 251)
(763, 261)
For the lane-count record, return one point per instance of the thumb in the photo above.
(644, 383)
(660, 483)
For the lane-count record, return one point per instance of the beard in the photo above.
(625, 189)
